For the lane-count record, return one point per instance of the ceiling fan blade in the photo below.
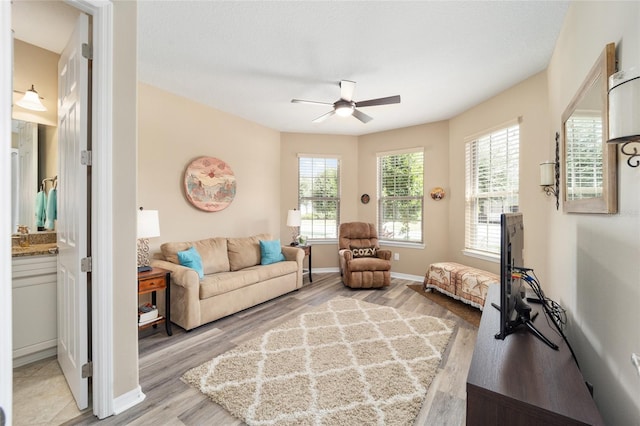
(300, 101)
(380, 101)
(347, 87)
(324, 116)
(361, 116)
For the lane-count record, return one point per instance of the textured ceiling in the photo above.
(251, 58)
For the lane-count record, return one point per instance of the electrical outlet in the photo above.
(396, 256)
(635, 360)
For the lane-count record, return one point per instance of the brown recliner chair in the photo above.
(362, 263)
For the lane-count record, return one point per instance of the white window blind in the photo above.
(584, 155)
(400, 196)
(492, 179)
(319, 197)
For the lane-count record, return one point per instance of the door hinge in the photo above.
(85, 264)
(85, 158)
(87, 370)
(87, 51)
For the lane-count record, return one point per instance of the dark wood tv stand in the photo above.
(521, 381)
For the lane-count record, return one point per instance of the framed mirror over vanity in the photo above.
(590, 164)
(34, 164)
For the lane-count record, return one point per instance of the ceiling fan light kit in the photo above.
(346, 106)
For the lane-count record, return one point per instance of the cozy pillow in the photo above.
(270, 252)
(363, 251)
(191, 259)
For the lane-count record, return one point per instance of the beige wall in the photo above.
(174, 131)
(527, 100)
(593, 259)
(124, 148)
(433, 138)
(344, 147)
(358, 175)
(37, 66)
(34, 65)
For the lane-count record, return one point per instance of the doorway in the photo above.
(102, 243)
(51, 56)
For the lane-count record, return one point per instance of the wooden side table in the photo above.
(150, 282)
(307, 253)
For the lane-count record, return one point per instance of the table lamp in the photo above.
(294, 222)
(148, 227)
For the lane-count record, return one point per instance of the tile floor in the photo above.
(41, 395)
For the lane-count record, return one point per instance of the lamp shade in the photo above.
(547, 174)
(293, 218)
(148, 224)
(624, 106)
(31, 101)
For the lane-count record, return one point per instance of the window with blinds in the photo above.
(492, 178)
(584, 155)
(319, 197)
(400, 196)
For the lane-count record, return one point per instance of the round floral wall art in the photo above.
(209, 184)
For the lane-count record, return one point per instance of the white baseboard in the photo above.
(128, 400)
(418, 278)
(20, 359)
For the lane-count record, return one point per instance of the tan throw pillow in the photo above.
(363, 251)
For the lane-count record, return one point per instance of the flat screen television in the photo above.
(515, 313)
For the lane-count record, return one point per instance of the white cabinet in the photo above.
(34, 282)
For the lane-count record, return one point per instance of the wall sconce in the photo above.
(31, 100)
(294, 220)
(624, 113)
(550, 175)
(148, 227)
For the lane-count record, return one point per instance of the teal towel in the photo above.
(52, 209)
(41, 205)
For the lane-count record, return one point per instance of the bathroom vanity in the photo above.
(34, 287)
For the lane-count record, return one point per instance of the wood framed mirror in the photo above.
(590, 164)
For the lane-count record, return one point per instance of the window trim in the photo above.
(469, 249)
(397, 242)
(338, 199)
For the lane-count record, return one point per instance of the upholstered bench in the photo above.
(461, 282)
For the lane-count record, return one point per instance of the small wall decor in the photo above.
(365, 199)
(437, 193)
(209, 184)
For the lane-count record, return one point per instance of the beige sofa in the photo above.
(233, 279)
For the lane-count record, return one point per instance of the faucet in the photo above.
(23, 232)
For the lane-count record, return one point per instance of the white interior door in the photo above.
(71, 225)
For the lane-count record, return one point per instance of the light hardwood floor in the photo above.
(164, 359)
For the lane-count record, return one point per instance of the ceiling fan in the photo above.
(346, 106)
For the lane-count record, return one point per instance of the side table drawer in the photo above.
(151, 284)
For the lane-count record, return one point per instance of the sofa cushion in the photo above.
(266, 272)
(270, 252)
(191, 259)
(213, 252)
(223, 282)
(245, 252)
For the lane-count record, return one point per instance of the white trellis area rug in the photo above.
(345, 362)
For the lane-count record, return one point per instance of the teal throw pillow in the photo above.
(270, 252)
(191, 259)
